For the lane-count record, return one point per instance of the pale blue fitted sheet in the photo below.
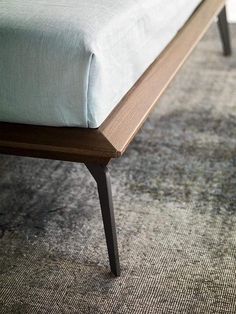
(69, 62)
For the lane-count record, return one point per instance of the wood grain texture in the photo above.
(125, 121)
(113, 137)
(75, 144)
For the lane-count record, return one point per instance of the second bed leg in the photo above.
(224, 32)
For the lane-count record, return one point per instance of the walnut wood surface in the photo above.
(73, 144)
(115, 134)
(124, 122)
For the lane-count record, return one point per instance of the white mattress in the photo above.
(69, 62)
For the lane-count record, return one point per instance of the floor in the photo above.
(231, 8)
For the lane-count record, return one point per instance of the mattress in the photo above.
(70, 62)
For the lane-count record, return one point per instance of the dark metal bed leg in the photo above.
(101, 175)
(224, 32)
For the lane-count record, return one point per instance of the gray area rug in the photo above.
(175, 205)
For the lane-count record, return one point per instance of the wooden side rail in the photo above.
(114, 135)
(128, 117)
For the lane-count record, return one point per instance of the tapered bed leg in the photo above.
(224, 32)
(101, 175)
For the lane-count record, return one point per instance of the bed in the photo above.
(79, 78)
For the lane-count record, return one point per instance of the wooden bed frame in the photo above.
(96, 147)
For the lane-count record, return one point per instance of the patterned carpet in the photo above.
(175, 205)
